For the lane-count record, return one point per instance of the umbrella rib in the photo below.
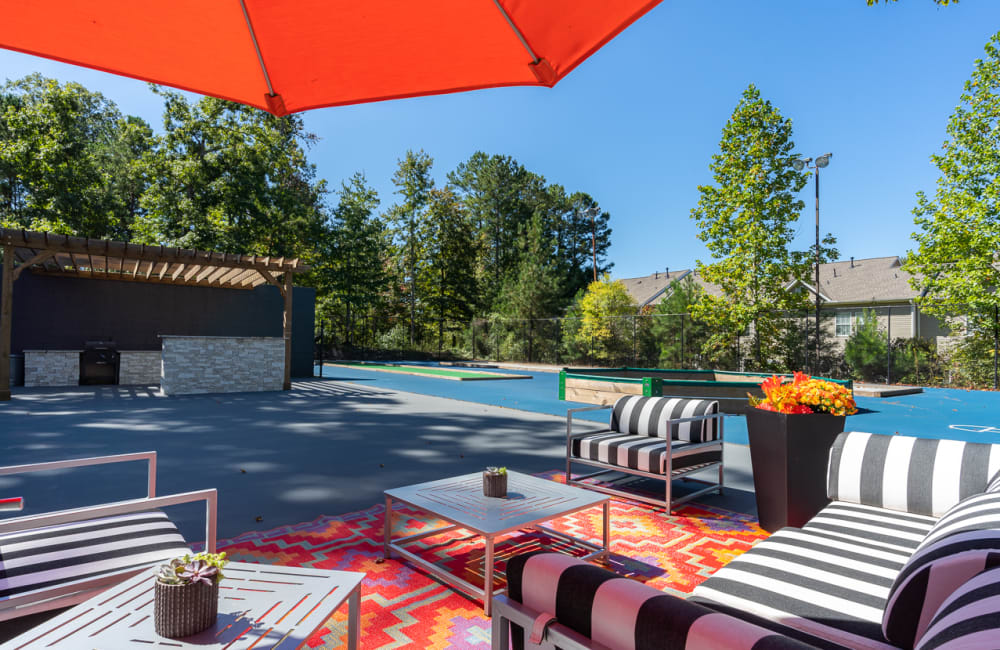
(256, 46)
(520, 36)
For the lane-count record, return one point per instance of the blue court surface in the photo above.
(935, 413)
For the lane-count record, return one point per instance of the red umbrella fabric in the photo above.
(286, 56)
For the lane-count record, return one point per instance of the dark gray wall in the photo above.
(61, 313)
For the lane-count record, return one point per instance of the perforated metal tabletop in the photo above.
(261, 606)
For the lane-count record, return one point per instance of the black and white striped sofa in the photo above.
(635, 443)
(906, 555)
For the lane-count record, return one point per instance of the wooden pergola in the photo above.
(79, 257)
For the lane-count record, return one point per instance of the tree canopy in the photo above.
(746, 221)
(956, 264)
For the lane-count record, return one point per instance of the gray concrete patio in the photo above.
(323, 448)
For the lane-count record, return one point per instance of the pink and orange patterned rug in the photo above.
(402, 607)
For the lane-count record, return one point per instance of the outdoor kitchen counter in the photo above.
(51, 368)
(221, 364)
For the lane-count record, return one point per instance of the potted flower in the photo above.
(791, 430)
(495, 482)
(186, 594)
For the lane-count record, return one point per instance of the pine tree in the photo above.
(352, 271)
(449, 279)
(414, 183)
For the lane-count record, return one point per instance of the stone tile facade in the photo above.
(139, 367)
(217, 364)
(51, 368)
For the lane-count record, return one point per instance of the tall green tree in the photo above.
(407, 220)
(351, 271)
(957, 263)
(450, 277)
(746, 221)
(70, 162)
(533, 289)
(233, 178)
(500, 196)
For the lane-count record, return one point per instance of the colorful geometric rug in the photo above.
(403, 607)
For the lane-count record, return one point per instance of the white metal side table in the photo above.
(261, 606)
(460, 501)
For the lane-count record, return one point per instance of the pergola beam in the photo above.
(82, 246)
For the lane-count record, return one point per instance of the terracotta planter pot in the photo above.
(495, 485)
(790, 454)
(183, 610)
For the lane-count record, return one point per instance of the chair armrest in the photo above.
(570, 412)
(86, 462)
(210, 497)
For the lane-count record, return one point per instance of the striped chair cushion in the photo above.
(622, 613)
(887, 530)
(50, 556)
(816, 583)
(644, 453)
(962, 543)
(648, 416)
(994, 485)
(909, 474)
(969, 618)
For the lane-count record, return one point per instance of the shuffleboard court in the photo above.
(432, 371)
(940, 413)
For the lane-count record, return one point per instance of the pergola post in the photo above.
(6, 319)
(287, 322)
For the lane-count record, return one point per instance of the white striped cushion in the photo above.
(876, 528)
(814, 582)
(965, 541)
(643, 453)
(969, 618)
(650, 416)
(909, 474)
(994, 485)
(625, 614)
(50, 556)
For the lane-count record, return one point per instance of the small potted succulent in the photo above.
(495, 482)
(186, 594)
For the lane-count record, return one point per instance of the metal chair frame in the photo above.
(507, 611)
(77, 591)
(667, 477)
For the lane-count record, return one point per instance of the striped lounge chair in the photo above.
(906, 555)
(635, 443)
(57, 559)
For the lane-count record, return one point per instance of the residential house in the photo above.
(847, 289)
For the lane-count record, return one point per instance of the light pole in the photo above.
(799, 164)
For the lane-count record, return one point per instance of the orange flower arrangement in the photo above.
(804, 395)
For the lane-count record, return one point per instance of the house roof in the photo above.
(649, 289)
(875, 279)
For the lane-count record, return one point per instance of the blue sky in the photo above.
(636, 125)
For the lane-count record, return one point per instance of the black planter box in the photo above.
(790, 454)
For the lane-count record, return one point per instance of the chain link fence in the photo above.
(884, 351)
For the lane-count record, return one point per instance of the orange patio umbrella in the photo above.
(286, 56)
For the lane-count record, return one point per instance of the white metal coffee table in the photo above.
(261, 606)
(460, 501)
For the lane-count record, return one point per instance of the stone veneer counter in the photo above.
(51, 368)
(139, 367)
(220, 364)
